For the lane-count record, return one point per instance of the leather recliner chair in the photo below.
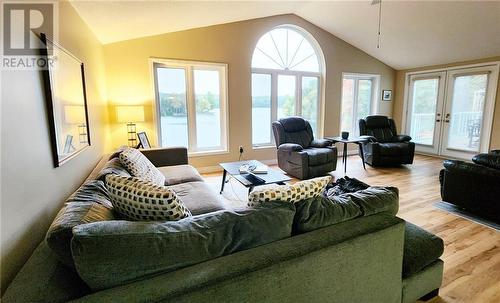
(384, 147)
(299, 154)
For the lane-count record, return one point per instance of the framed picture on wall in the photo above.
(386, 95)
(66, 102)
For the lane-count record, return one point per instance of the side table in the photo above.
(356, 140)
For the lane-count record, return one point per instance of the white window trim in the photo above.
(189, 67)
(298, 85)
(374, 104)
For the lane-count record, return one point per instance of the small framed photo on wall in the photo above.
(386, 95)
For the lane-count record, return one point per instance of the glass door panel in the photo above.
(424, 111)
(171, 88)
(363, 102)
(465, 112)
(286, 96)
(346, 119)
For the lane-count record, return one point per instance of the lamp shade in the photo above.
(74, 114)
(130, 113)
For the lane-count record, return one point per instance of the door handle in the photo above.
(438, 120)
(447, 121)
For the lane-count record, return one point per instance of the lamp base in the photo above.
(131, 134)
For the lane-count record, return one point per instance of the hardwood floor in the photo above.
(472, 251)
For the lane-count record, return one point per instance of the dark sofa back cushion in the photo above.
(90, 203)
(134, 250)
(491, 159)
(322, 211)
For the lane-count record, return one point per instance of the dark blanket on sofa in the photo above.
(343, 186)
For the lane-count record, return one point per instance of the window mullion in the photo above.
(274, 102)
(355, 105)
(222, 109)
(191, 109)
(298, 92)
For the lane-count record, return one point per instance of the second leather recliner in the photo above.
(384, 147)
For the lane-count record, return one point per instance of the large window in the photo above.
(286, 81)
(191, 105)
(358, 92)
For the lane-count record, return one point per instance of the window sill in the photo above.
(207, 153)
(258, 147)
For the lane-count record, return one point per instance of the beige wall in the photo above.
(32, 189)
(129, 76)
(400, 87)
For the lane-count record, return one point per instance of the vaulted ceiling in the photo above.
(413, 33)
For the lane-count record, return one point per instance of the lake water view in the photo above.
(175, 128)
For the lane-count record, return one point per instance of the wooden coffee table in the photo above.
(233, 169)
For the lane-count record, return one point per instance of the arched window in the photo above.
(286, 80)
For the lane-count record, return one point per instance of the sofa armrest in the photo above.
(166, 156)
(369, 138)
(290, 147)
(320, 143)
(401, 138)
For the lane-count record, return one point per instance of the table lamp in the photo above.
(75, 114)
(130, 114)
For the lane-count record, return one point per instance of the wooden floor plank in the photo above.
(472, 250)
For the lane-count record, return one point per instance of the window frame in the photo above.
(374, 106)
(274, 73)
(189, 68)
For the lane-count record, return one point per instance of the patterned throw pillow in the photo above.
(143, 201)
(139, 166)
(288, 193)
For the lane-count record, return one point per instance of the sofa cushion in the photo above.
(321, 211)
(176, 174)
(134, 250)
(112, 167)
(198, 197)
(421, 248)
(139, 166)
(90, 203)
(319, 156)
(375, 200)
(139, 200)
(288, 193)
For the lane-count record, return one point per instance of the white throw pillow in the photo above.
(144, 201)
(288, 193)
(139, 166)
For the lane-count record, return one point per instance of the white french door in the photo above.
(425, 107)
(450, 112)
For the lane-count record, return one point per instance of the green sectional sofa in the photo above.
(351, 248)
